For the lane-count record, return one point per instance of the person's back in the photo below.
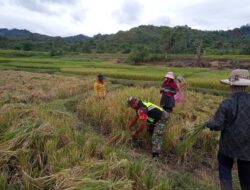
(154, 112)
(235, 135)
(232, 118)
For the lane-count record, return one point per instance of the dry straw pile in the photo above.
(18, 86)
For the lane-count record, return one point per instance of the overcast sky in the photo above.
(90, 17)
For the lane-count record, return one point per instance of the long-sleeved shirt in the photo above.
(169, 85)
(233, 120)
(100, 89)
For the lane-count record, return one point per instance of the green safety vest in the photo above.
(150, 108)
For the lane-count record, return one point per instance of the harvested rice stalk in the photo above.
(39, 182)
(119, 137)
(190, 139)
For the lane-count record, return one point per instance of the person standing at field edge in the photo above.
(168, 90)
(99, 87)
(182, 87)
(147, 112)
(233, 120)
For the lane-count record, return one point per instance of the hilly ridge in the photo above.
(179, 39)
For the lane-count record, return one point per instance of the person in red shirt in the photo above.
(148, 113)
(168, 90)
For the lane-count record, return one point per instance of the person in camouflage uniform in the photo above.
(157, 137)
(153, 115)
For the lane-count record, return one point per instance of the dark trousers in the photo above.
(167, 109)
(225, 172)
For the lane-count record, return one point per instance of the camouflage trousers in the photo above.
(158, 133)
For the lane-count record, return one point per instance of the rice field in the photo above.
(55, 134)
(18, 86)
(91, 65)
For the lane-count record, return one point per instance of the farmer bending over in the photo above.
(147, 112)
(233, 120)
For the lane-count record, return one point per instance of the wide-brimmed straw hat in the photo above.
(169, 75)
(238, 77)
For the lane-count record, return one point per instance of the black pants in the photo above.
(225, 172)
(167, 109)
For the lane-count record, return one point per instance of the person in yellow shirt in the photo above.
(99, 87)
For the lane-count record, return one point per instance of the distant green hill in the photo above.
(22, 34)
(156, 40)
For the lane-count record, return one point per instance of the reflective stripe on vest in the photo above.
(151, 106)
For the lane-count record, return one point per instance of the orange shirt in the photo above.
(100, 89)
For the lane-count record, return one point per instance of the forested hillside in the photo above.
(151, 39)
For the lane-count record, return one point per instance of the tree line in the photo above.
(139, 41)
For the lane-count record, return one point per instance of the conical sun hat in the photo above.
(169, 75)
(238, 77)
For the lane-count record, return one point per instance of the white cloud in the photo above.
(216, 14)
(89, 17)
(162, 21)
(33, 5)
(60, 1)
(78, 14)
(129, 12)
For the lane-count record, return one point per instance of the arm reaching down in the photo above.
(132, 122)
(139, 129)
(142, 115)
